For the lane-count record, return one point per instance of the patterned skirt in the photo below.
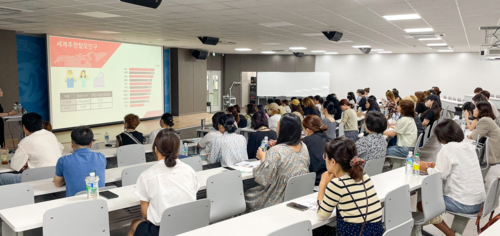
(350, 229)
(352, 134)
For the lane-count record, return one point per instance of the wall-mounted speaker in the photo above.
(298, 54)
(209, 40)
(333, 35)
(365, 50)
(200, 55)
(145, 3)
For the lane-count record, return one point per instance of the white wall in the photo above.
(455, 74)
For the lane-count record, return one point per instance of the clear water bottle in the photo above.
(263, 144)
(398, 116)
(463, 125)
(409, 163)
(186, 150)
(416, 165)
(106, 138)
(92, 183)
(249, 122)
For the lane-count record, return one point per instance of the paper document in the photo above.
(248, 164)
(310, 202)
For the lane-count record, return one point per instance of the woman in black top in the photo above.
(315, 141)
(2, 114)
(420, 107)
(371, 104)
(336, 105)
(362, 102)
(432, 114)
(130, 135)
(261, 126)
(310, 108)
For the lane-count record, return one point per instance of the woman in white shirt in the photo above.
(406, 131)
(166, 184)
(205, 144)
(275, 116)
(457, 161)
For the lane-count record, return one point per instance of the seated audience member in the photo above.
(433, 113)
(242, 123)
(391, 106)
(346, 188)
(205, 144)
(166, 122)
(333, 98)
(479, 98)
(350, 120)
(286, 105)
(329, 120)
(414, 99)
(373, 146)
(405, 129)
(471, 120)
(263, 109)
(396, 95)
(463, 188)
(280, 105)
(486, 127)
(310, 108)
(367, 92)
(315, 140)
(418, 122)
(275, 116)
(288, 158)
(71, 170)
(47, 126)
(486, 94)
(269, 101)
(232, 111)
(39, 148)
(438, 94)
(130, 135)
(426, 93)
(296, 109)
(351, 98)
(420, 107)
(250, 111)
(478, 90)
(301, 100)
(168, 183)
(362, 102)
(371, 104)
(230, 148)
(261, 127)
(318, 101)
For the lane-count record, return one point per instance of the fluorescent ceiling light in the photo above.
(243, 49)
(427, 39)
(97, 14)
(377, 50)
(268, 52)
(361, 46)
(330, 53)
(436, 44)
(445, 50)
(297, 48)
(276, 24)
(106, 32)
(318, 51)
(419, 30)
(385, 52)
(402, 17)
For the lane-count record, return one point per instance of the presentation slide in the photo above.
(293, 84)
(94, 82)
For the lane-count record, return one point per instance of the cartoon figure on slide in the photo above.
(70, 79)
(83, 78)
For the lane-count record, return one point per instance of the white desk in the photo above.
(108, 152)
(278, 216)
(450, 104)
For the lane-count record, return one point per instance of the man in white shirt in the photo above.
(40, 148)
(205, 144)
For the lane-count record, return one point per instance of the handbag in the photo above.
(366, 197)
(481, 150)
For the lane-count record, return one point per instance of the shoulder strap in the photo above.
(132, 137)
(366, 197)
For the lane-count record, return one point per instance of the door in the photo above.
(213, 90)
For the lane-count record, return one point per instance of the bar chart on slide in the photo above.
(138, 83)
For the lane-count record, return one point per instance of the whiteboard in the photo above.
(293, 84)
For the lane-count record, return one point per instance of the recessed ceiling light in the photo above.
(243, 49)
(268, 52)
(330, 53)
(436, 44)
(427, 39)
(402, 17)
(97, 14)
(385, 52)
(318, 51)
(361, 46)
(445, 50)
(297, 48)
(377, 50)
(419, 30)
(106, 32)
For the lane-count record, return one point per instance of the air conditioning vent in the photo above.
(11, 11)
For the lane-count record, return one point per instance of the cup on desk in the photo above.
(203, 123)
(4, 156)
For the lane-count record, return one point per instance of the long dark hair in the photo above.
(251, 109)
(290, 130)
(234, 113)
(435, 109)
(167, 143)
(296, 108)
(343, 150)
(261, 108)
(259, 119)
(373, 103)
(227, 121)
(485, 110)
(350, 96)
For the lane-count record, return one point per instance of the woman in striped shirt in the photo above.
(344, 186)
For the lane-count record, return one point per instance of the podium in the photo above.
(18, 120)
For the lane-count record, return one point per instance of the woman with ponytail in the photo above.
(234, 112)
(330, 112)
(168, 183)
(230, 148)
(345, 187)
(315, 140)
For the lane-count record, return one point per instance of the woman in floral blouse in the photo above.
(287, 159)
(391, 104)
(374, 145)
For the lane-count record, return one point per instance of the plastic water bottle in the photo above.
(92, 182)
(263, 144)
(106, 138)
(463, 125)
(249, 122)
(186, 150)
(409, 163)
(416, 165)
(398, 117)
(394, 116)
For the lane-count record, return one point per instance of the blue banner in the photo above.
(166, 83)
